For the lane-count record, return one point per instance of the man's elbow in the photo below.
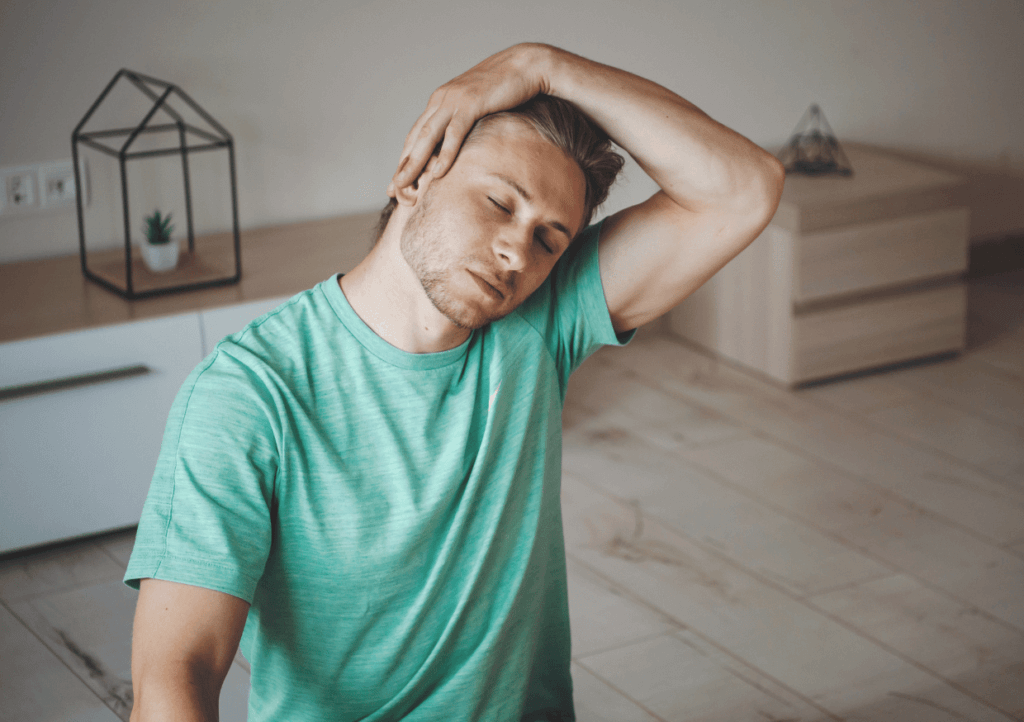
(762, 190)
(772, 177)
(751, 179)
(180, 692)
(777, 175)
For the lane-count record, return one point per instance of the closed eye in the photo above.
(540, 240)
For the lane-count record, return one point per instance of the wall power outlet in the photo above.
(41, 187)
(19, 189)
(57, 184)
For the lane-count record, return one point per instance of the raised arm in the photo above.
(183, 642)
(718, 189)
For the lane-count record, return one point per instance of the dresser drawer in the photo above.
(877, 332)
(875, 255)
(82, 415)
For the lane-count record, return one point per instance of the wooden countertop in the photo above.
(49, 296)
(882, 187)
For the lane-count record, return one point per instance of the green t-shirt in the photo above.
(392, 518)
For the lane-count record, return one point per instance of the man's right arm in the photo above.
(183, 642)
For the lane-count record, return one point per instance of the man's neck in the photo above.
(386, 294)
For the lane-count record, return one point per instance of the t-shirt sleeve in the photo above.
(207, 517)
(570, 310)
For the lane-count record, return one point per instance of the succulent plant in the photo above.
(158, 229)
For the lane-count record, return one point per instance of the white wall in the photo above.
(319, 95)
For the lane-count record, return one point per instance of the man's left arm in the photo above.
(718, 189)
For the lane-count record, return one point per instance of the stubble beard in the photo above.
(422, 246)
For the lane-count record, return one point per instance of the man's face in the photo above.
(483, 237)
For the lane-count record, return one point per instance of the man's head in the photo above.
(523, 185)
(568, 129)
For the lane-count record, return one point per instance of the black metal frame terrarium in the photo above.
(218, 261)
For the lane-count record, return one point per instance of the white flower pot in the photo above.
(160, 257)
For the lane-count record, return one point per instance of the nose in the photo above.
(512, 248)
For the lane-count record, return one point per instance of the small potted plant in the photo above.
(159, 250)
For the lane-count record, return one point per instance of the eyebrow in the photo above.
(526, 195)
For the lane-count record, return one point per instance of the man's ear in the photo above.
(410, 195)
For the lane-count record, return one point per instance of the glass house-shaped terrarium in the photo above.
(152, 152)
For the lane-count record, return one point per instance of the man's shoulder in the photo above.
(274, 344)
(282, 325)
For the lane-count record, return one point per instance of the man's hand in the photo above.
(500, 82)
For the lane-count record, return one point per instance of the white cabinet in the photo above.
(82, 416)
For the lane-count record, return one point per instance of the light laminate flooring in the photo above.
(736, 551)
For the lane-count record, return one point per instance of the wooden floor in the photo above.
(737, 551)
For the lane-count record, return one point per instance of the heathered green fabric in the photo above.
(392, 518)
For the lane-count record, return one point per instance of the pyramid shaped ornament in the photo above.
(813, 148)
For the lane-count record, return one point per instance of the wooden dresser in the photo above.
(852, 273)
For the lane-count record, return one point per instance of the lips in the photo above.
(490, 287)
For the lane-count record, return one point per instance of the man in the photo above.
(363, 485)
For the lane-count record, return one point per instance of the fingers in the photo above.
(420, 144)
(415, 157)
(410, 141)
(413, 135)
(454, 134)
